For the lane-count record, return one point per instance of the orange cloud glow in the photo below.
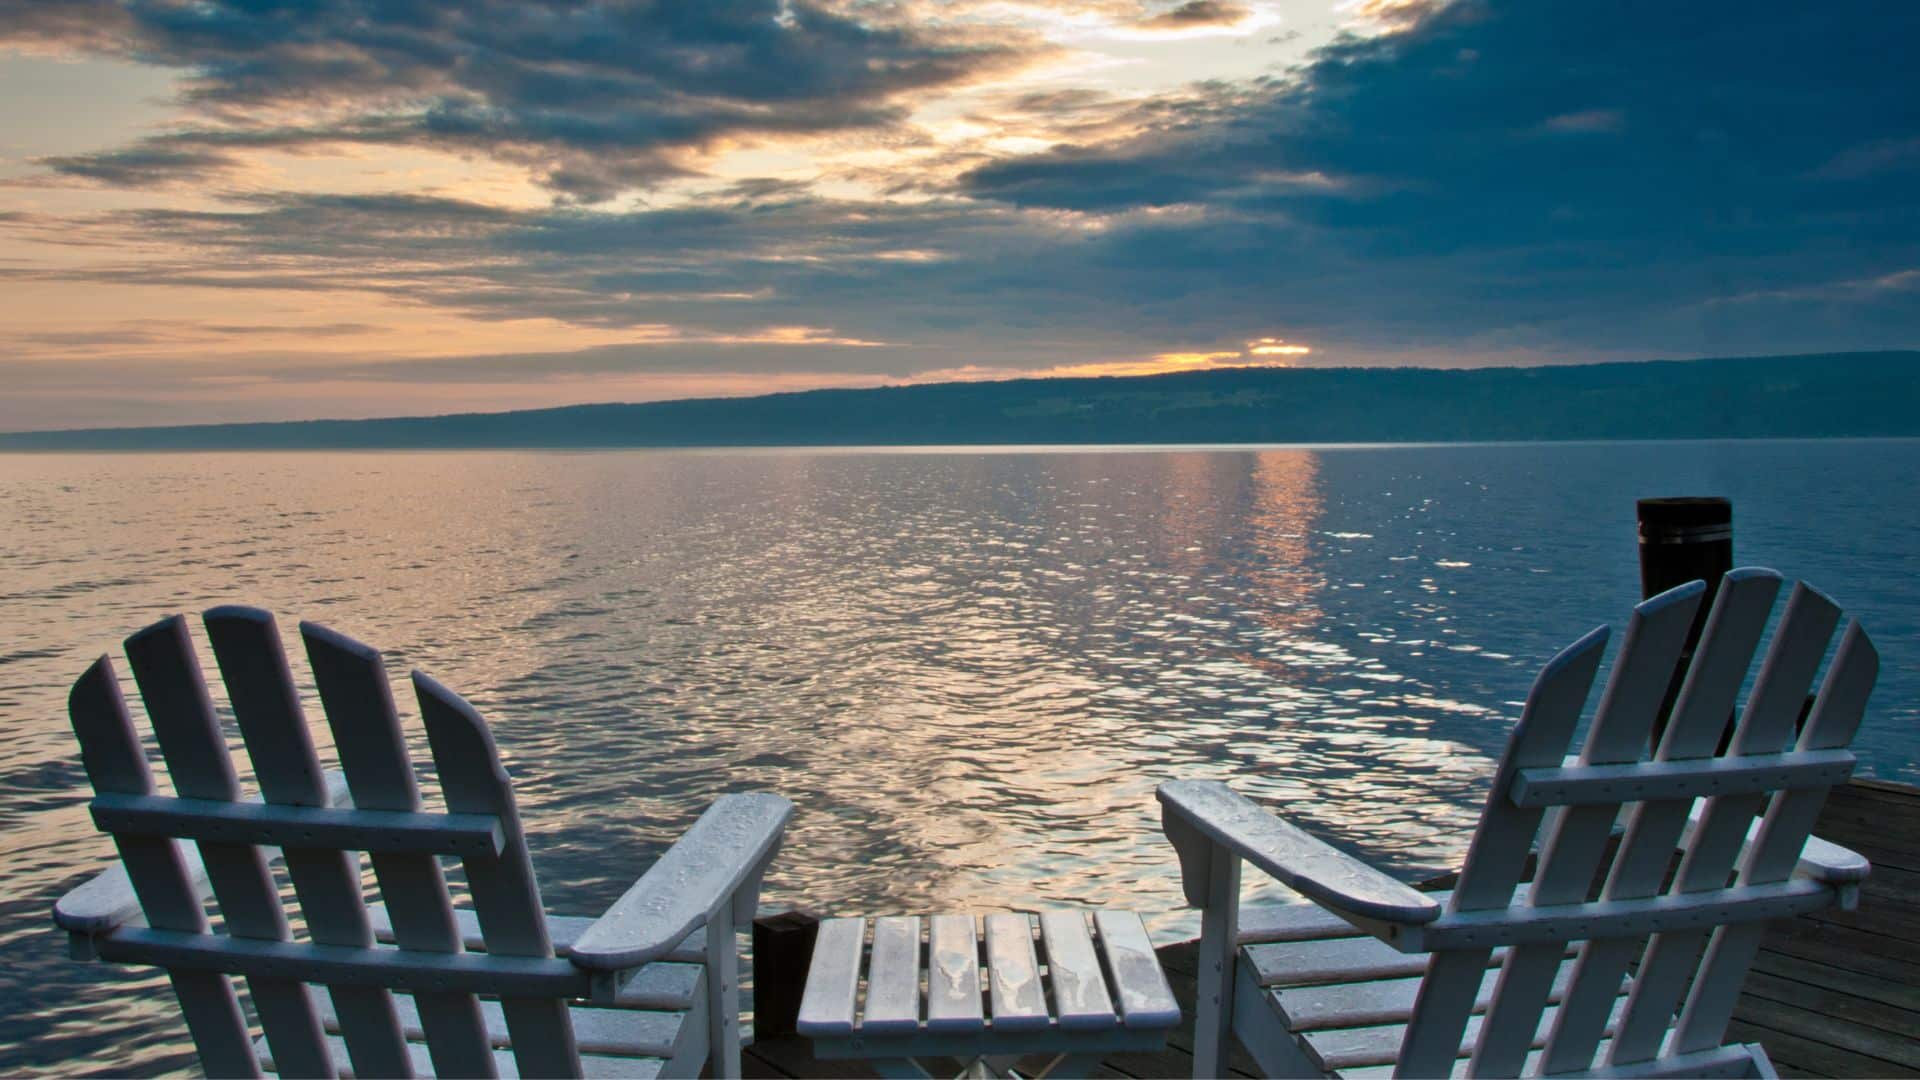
(1262, 352)
(1272, 346)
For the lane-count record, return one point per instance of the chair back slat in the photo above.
(1494, 861)
(1783, 832)
(1779, 694)
(253, 664)
(358, 703)
(1831, 725)
(1711, 688)
(253, 667)
(1699, 720)
(1571, 855)
(506, 896)
(1765, 726)
(177, 702)
(1498, 854)
(110, 751)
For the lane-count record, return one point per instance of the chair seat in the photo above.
(1347, 997)
(992, 985)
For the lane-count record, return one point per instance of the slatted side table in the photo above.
(990, 989)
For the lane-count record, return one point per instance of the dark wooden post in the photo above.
(1681, 540)
(782, 952)
(1684, 539)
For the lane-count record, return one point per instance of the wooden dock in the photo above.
(1838, 993)
(1832, 994)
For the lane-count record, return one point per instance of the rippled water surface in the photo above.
(968, 668)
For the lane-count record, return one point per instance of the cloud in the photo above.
(1586, 121)
(958, 273)
(99, 27)
(161, 333)
(1197, 13)
(150, 163)
(593, 100)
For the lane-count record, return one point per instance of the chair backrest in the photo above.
(1692, 937)
(321, 843)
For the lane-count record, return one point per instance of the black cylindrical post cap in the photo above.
(1682, 540)
(1687, 520)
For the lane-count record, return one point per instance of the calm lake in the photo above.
(967, 667)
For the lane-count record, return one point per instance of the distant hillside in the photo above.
(1853, 394)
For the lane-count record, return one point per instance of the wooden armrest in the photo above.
(1309, 866)
(727, 848)
(1819, 859)
(107, 900)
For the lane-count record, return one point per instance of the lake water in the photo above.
(969, 668)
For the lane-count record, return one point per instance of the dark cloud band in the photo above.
(594, 99)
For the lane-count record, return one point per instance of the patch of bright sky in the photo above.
(372, 170)
(1275, 35)
(71, 106)
(52, 321)
(1097, 51)
(58, 105)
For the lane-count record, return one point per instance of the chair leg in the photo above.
(1258, 1026)
(1213, 1024)
(723, 996)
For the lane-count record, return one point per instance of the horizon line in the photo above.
(1032, 377)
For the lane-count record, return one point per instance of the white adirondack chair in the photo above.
(1497, 979)
(648, 989)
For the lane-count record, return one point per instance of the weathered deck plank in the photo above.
(1837, 994)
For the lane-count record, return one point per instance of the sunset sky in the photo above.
(244, 209)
